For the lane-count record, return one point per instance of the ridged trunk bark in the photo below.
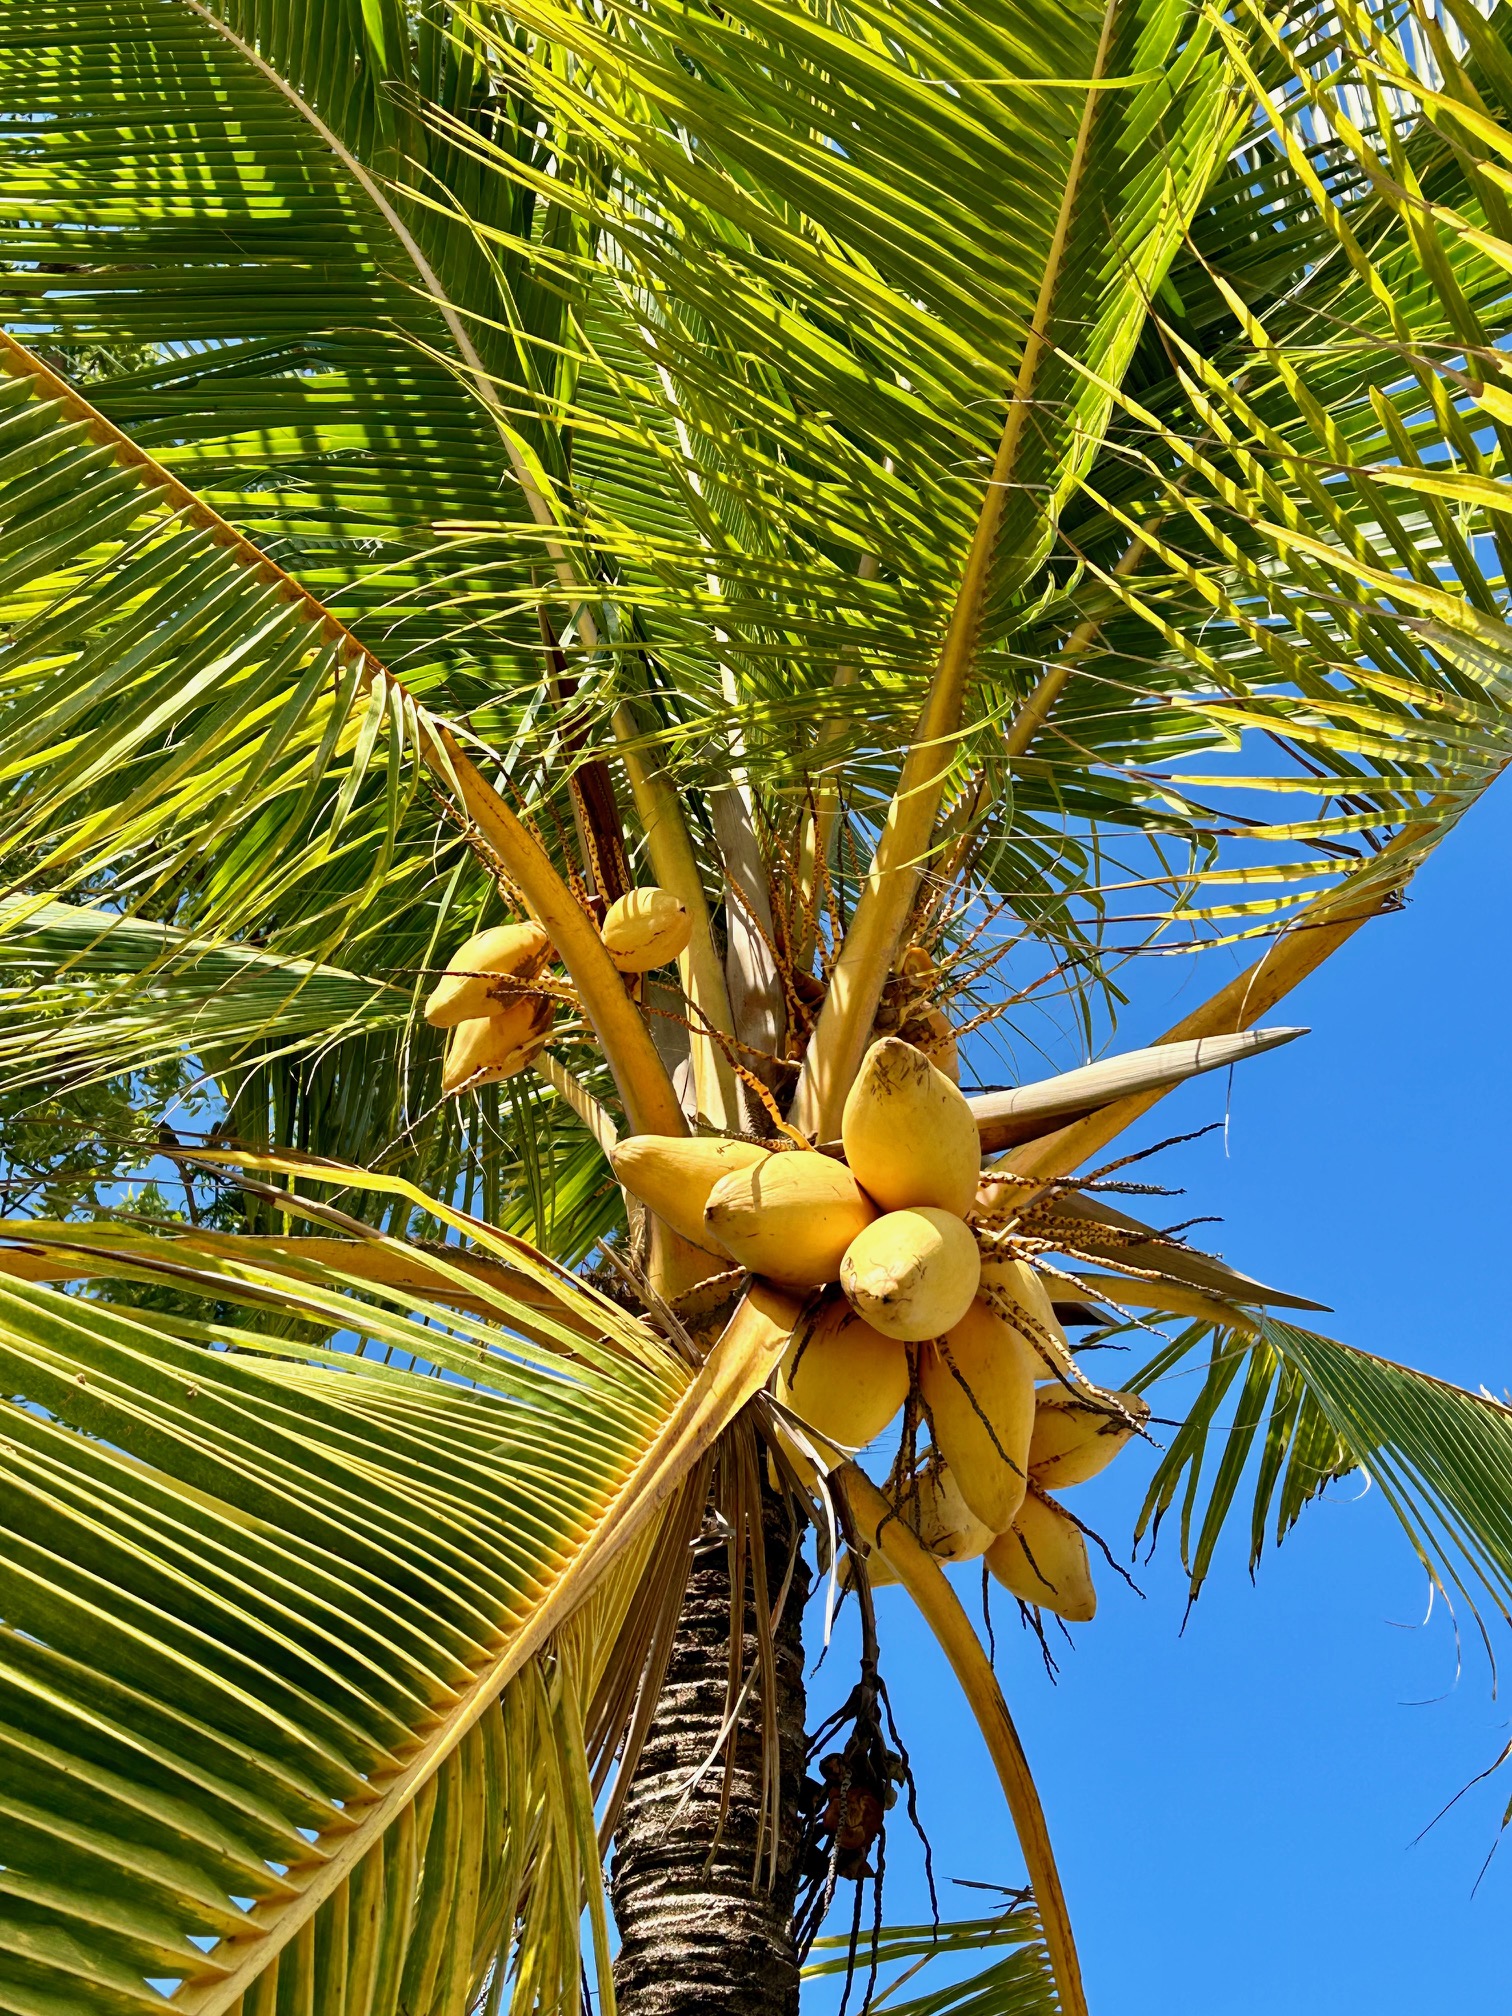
(713, 1940)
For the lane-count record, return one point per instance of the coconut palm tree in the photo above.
(964, 502)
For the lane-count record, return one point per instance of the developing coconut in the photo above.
(978, 1386)
(492, 1047)
(463, 993)
(945, 1523)
(790, 1217)
(674, 1177)
(646, 928)
(879, 1570)
(1017, 1292)
(909, 1135)
(1077, 1434)
(1043, 1560)
(932, 1033)
(912, 1274)
(843, 1378)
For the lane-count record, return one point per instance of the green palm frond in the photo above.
(1281, 1412)
(59, 962)
(768, 372)
(750, 171)
(266, 1050)
(208, 218)
(337, 1745)
(1018, 1984)
(206, 713)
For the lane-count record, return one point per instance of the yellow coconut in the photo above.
(930, 1032)
(879, 1572)
(912, 1274)
(513, 951)
(978, 1385)
(492, 1047)
(944, 1521)
(843, 1378)
(1017, 1293)
(909, 1135)
(789, 1217)
(673, 1178)
(1077, 1434)
(1043, 1560)
(646, 928)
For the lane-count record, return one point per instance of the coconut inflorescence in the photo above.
(886, 1219)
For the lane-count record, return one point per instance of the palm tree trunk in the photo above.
(704, 1936)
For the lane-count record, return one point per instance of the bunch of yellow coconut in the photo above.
(880, 1238)
(500, 1016)
(899, 1291)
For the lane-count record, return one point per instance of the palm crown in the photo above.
(963, 499)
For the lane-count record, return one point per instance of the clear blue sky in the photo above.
(1235, 1810)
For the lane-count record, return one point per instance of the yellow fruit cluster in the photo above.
(497, 1025)
(882, 1234)
(1041, 1555)
(887, 1227)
